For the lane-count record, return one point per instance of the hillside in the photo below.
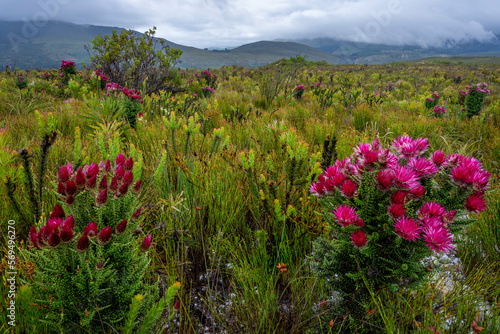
(59, 40)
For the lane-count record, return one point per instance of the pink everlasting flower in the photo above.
(405, 177)
(430, 209)
(348, 188)
(423, 167)
(317, 189)
(408, 228)
(475, 203)
(346, 215)
(358, 239)
(438, 239)
(146, 243)
(396, 211)
(439, 159)
(384, 178)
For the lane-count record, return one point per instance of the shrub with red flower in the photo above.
(388, 209)
(91, 238)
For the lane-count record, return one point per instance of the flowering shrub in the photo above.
(21, 81)
(102, 78)
(90, 255)
(475, 98)
(387, 211)
(457, 79)
(67, 68)
(209, 79)
(431, 102)
(298, 91)
(439, 111)
(207, 91)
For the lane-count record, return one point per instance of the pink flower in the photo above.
(346, 215)
(317, 189)
(348, 188)
(102, 198)
(120, 160)
(68, 223)
(113, 187)
(399, 197)
(129, 164)
(430, 209)
(405, 177)
(91, 183)
(454, 160)
(64, 174)
(384, 179)
(416, 192)
(396, 211)
(83, 244)
(438, 239)
(358, 239)
(146, 243)
(409, 148)
(439, 159)
(71, 188)
(128, 177)
(407, 228)
(90, 229)
(91, 171)
(104, 182)
(58, 212)
(104, 236)
(120, 228)
(137, 214)
(80, 178)
(422, 166)
(475, 203)
(66, 235)
(137, 187)
(61, 189)
(120, 172)
(480, 180)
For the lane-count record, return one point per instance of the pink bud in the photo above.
(146, 243)
(102, 198)
(70, 200)
(137, 187)
(91, 183)
(91, 227)
(61, 189)
(104, 236)
(129, 164)
(104, 182)
(120, 172)
(120, 228)
(66, 235)
(58, 212)
(71, 188)
(120, 160)
(136, 214)
(80, 178)
(128, 177)
(83, 244)
(63, 175)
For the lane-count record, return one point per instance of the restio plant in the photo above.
(387, 212)
(90, 253)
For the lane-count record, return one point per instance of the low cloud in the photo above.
(222, 23)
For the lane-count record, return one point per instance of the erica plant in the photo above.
(388, 209)
(91, 254)
(475, 98)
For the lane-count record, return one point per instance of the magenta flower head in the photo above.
(438, 239)
(405, 177)
(406, 147)
(104, 183)
(146, 243)
(128, 177)
(91, 230)
(122, 191)
(137, 187)
(92, 170)
(358, 239)
(121, 227)
(346, 215)
(70, 200)
(83, 244)
(407, 228)
(68, 223)
(317, 189)
(61, 189)
(33, 237)
(348, 188)
(400, 197)
(58, 212)
(66, 235)
(129, 164)
(102, 198)
(104, 236)
(71, 188)
(120, 172)
(396, 211)
(120, 160)
(430, 209)
(422, 166)
(107, 166)
(136, 214)
(80, 179)
(91, 183)
(113, 187)
(439, 159)
(475, 203)
(53, 241)
(64, 174)
(384, 179)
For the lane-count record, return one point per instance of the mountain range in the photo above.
(27, 46)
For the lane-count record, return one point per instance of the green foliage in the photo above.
(275, 79)
(135, 61)
(475, 99)
(90, 287)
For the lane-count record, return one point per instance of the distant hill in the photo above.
(366, 53)
(46, 46)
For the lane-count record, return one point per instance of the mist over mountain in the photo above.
(28, 46)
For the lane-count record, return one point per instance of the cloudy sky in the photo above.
(226, 23)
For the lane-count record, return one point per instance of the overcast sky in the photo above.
(225, 23)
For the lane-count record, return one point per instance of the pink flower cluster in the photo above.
(57, 230)
(402, 174)
(70, 183)
(115, 88)
(299, 87)
(99, 73)
(439, 111)
(479, 88)
(67, 65)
